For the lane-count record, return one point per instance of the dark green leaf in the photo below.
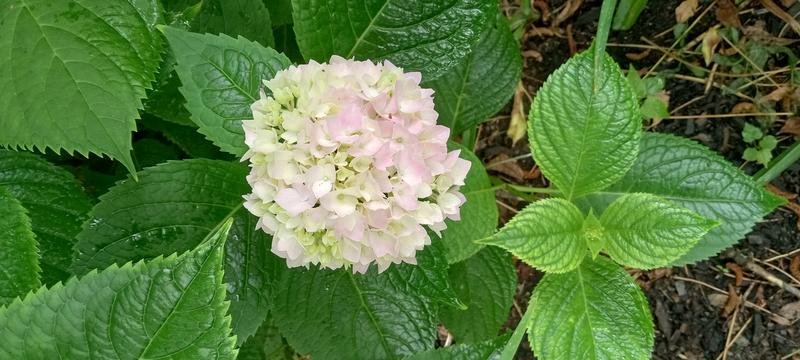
(478, 214)
(186, 138)
(266, 344)
(280, 11)
(417, 35)
(247, 18)
(485, 283)
(56, 205)
(488, 350)
(19, 258)
(172, 207)
(585, 127)
(171, 307)
(595, 312)
(221, 77)
(73, 73)
(481, 84)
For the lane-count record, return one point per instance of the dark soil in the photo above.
(689, 318)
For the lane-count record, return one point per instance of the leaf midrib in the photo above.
(371, 316)
(366, 29)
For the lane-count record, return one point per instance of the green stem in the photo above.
(468, 138)
(516, 337)
(531, 189)
(603, 29)
(786, 159)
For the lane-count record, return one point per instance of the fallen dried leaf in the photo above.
(794, 267)
(511, 169)
(728, 14)
(783, 15)
(685, 10)
(782, 193)
(710, 41)
(737, 270)
(757, 33)
(517, 127)
(778, 94)
(732, 303)
(791, 126)
(638, 56)
(790, 311)
(717, 300)
(743, 108)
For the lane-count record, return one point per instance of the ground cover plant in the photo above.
(297, 179)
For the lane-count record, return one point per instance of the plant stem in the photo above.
(516, 337)
(786, 159)
(468, 138)
(603, 28)
(531, 189)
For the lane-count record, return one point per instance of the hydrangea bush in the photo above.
(296, 180)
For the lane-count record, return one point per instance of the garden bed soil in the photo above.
(692, 320)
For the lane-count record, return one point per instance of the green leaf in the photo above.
(636, 83)
(654, 108)
(644, 231)
(595, 312)
(487, 350)
(266, 344)
(478, 215)
(149, 152)
(221, 77)
(584, 127)
(367, 316)
(73, 73)
(280, 11)
(751, 133)
(172, 207)
(547, 234)
(417, 35)
(165, 100)
(19, 258)
(690, 175)
(465, 97)
(186, 138)
(247, 18)
(171, 307)
(56, 205)
(486, 283)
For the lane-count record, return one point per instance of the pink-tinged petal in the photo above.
(460, 170)
(382, 244)
(406, 198)
(378, 219)
(293, 201)
(339, 202)
(412, 169)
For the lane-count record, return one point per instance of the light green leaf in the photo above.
(751, 133)
(247, 18)
(636, 82)
(654, 108)
(329, 313)
(644, 231)
(56, 205)
(485, 283)
(595, 312)
(221, 77)
(547, 234)
(171, 307)
(73, 73)
(488, 350)
(19, 258)
(417, 35)
(584, 137)
(690, 175)
(478, 215)
(481, 84)
(172, 207)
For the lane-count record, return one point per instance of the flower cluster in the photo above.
(348, 164)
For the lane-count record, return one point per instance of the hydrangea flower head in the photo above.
(348, 165)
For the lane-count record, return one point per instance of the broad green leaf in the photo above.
(486, 284)
(478, 215)
(171, 307)
(266, 344)
(595, 312)
(584, 127)
(221, 77)
(186, 138)
(170, 209)
(481, 84)
(751, 133)
(165, 100)
(280, 11)
(329, 313)
(19, 258)
(56, 206)
(149, 152)
(487, 350)
(547, 234)
(654, 108)
(644, 231)
(247, 18)
(692, 176)
(73, 73)
(417, 35)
